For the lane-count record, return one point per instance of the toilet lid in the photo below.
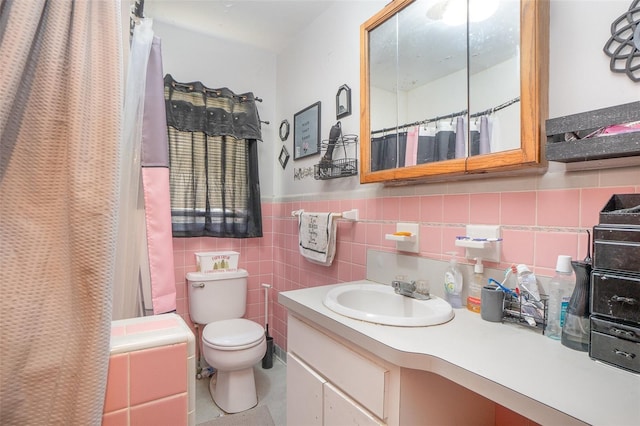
(232, 333)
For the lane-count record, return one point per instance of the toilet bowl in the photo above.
(230, 344)
(233, 347)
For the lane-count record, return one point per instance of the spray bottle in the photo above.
(453, 283)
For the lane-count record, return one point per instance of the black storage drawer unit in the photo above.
(615, 284)
(617, 248)
(614, 350)
(615, 295)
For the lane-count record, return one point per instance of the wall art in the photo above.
(306, 132)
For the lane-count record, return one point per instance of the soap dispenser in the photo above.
(453, 283)
(475, 287)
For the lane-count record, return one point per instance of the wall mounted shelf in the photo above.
(467, 242)
(481, 241)
(401, 238)
(587, 143)
(409, 243)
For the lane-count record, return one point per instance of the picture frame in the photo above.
(284, 130)
(283, 157)
(343, 101)
(306, 132)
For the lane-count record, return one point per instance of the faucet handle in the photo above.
(403, 286)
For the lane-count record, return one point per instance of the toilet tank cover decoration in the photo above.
(217, 261)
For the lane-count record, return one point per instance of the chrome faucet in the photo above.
(408, 289)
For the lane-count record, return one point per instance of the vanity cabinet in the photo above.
(429, 74)
(313, 401)
(327, 382)
(332, 382)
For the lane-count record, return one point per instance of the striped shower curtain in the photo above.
(60, 126)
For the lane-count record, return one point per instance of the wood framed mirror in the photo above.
(434, 79)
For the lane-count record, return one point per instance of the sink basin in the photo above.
(378, 303)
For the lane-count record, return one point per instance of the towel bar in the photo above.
(348, 215)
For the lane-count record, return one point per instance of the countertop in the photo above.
(512, 365)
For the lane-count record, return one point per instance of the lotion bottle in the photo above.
(475, 287)
(453, 284)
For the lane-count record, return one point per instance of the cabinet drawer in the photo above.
(361, 378)
(615, 329)
(617, 248)
(612, 350)
(616, 295)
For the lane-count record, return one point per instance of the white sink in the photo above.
(378, 303)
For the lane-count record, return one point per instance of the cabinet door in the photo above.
(304, 394)
(340, 410)
(363, 379)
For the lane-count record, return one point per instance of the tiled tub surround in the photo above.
(514, 367)
(536, 225)
(151, 379)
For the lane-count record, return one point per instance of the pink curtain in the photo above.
(155, 179)
(60, 126)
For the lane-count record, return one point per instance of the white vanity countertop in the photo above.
(514, 366)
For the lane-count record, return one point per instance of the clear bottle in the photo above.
(527, 281)
(453, 284)
(475, 287)
(560, 290)
(531, 306)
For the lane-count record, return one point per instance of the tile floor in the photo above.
(271, 387)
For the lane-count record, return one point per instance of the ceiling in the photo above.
(432, 48)
(266, 24)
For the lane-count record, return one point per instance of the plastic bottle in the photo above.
(560, 290)
(531, 305)
(453, 284)
(527, 282)
(475, 287)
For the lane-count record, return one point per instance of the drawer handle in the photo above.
(622, 299)
(620, 332)
(624, 354)
(197, 285)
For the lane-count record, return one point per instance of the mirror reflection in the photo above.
(438, 92)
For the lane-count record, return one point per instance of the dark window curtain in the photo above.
(213, 161)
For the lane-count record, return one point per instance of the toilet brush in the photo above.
(267, 360)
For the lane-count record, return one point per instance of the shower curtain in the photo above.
(144, 259)
(60, 126)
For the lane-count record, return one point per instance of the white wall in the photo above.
(190, 56)
(580, 79)
(327, 55)
(311, 69)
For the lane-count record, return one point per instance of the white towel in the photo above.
(317, 237)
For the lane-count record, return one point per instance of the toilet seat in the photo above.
(233, 334)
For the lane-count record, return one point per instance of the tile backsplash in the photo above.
(536, 226)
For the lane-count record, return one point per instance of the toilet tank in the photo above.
(217, 296)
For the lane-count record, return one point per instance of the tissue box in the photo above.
(217, 261)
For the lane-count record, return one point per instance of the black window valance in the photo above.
(213, 161)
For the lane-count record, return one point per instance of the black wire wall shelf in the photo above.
(339, 168)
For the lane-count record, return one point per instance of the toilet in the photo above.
(230, 344)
